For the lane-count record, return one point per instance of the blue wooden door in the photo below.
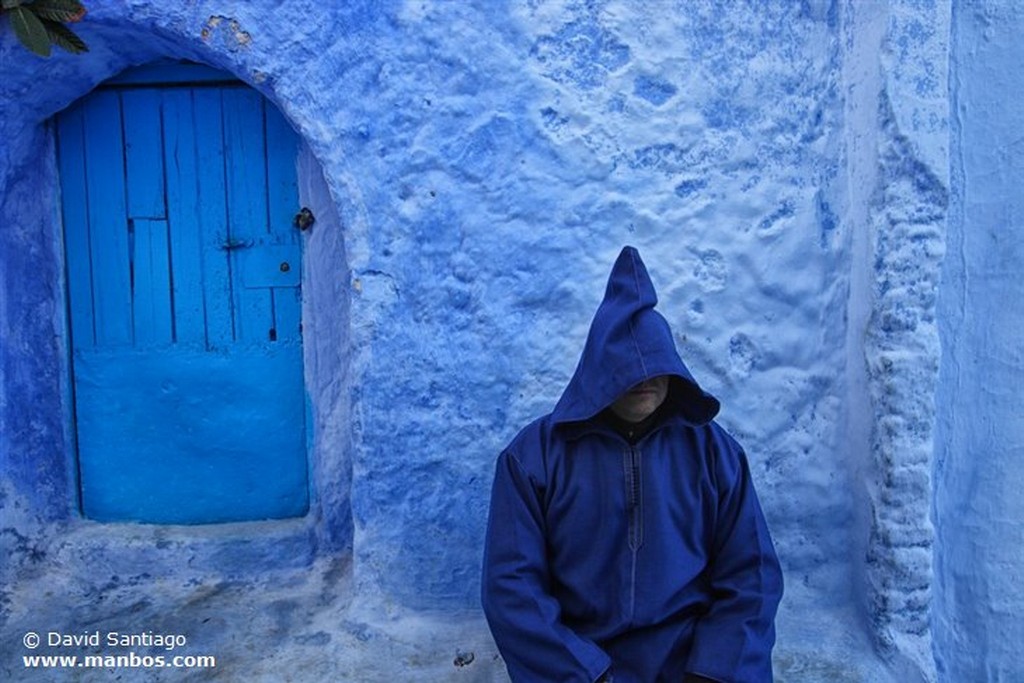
(183, 273)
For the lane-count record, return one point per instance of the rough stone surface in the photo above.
(908, 219)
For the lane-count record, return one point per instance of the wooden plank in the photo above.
(282, 205)
(151, 288)
(282, 186)
(246, 162)
(143, 153)
(245, 156)
(254, 313)
(184, 217)
(213, 221)
(288, 313)
(269, 266)
(108, 225)
(71, 159)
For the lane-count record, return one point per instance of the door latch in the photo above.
(233, 244)
(304, 219)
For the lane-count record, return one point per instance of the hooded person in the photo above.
(625, 541)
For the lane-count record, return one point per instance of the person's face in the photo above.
(642, 399)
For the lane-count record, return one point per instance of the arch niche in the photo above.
(40, 437)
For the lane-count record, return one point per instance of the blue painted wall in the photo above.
(979, 469)
(474, 167)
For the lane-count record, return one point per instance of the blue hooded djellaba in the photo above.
(635, 557)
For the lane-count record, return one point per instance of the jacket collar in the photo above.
(574, 431)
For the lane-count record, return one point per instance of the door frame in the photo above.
(170, 74)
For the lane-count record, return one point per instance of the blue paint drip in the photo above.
(688, 188)
(655, 90)
(826, 219)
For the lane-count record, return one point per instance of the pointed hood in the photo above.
(630, 342)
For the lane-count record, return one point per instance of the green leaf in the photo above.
(9, 4)
(61, 36)
(30, 31)
(58, 10)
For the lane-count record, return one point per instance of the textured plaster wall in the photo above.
(474, 169)
(979, 468)
(907, 215)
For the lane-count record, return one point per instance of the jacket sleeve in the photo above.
(523, 615)
(733, 641)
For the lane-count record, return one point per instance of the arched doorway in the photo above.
(183, 275)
